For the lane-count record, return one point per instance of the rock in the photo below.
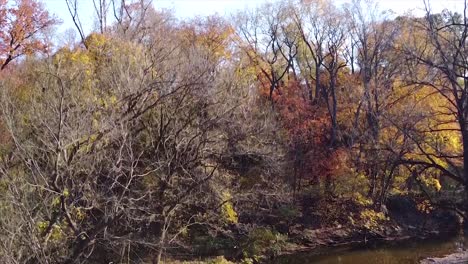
(455, 258)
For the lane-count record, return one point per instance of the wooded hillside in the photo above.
(155, 139)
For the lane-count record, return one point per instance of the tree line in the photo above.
(153, 136)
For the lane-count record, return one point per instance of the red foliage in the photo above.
(306, 127)
(22, 27)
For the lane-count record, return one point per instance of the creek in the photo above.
(410, 251)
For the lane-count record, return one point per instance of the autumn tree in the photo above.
(438, 62)
(374, 35)
(156, 136)
(23, 29)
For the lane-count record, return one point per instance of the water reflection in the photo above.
(403, 252)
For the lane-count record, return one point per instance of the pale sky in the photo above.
(192, 8)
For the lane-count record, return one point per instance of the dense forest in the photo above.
(154, 139)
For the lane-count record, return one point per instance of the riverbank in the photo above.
(402, 221)
(274, 238)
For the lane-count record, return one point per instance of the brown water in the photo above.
(403, 252)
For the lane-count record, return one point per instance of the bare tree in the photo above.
(310, 20)
(263, 38)
(101, 7)
(118, 154)
(74, 13)
(334, 62)
(373, 37)
(129, 18)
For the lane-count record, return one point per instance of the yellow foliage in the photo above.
(56, 201)
(372, 218)
(81, 57)
(79, 214)
(437, 185)
(96, 41)
(42, 225)
(425, 207)
(399, 182)
(431, 182)
(57, 233)
(454, 142)
(229, 214)
(361, 199)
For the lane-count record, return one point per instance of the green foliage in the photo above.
(263, 242)
(207, 245)
(289, 212)
(219, 260)
(249, 261)
(353, 185)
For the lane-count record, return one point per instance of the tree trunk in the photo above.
(464, 129)
(310, 90)
(162, 241)
(318, 90)
(373, 183)
(334, 110)
(328, 185)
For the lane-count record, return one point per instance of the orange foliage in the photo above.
(21, 29)
(212, 33)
